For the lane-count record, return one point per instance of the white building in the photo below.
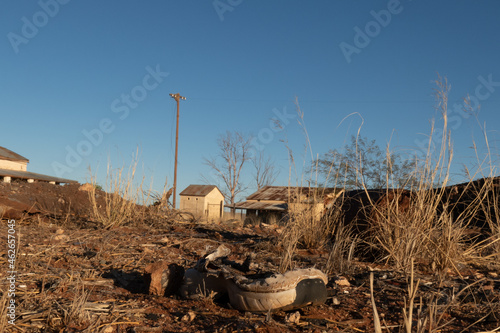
(203, 201)
(14, 166)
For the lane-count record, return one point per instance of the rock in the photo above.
(488, 287)
(335, 301)
(87, 187)
(342, 281)
(14, 209)
(293, 318)
(189, 317)
(165, 278)
(108, 329)
(61, 237)
(155, 270)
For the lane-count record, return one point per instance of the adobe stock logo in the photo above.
(222, 6)
(266, 134)
(121, 106)
(363, 37)
(30, 27)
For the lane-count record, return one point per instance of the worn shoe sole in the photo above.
(289, 291)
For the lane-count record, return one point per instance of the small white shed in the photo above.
(203, 201)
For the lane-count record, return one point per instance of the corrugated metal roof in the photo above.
(281, 193)
(260, 199)
(198, 190)
(31, 175)
(6, 154)
(256, 205)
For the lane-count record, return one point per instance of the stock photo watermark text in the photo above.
(363, 37)
(223, 6)
(121, 106)
(266, 134)
(32, 25)
(11, 271)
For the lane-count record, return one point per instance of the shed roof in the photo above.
(9, 155)
(281, 193)
(32, 175)
(199, 190)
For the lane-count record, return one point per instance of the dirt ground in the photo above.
(72, 275)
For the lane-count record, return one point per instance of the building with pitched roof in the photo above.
(203, 201)
(14, 166)
(12, 161)
(272, 203)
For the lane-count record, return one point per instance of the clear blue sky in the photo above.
(75, 67)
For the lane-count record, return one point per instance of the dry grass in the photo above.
(74, 312)
(491, 209)
(343, 241)
(120, 197)
(431, 224)
(342, 250)
(307, 225)
(420, 225)
(4, 302)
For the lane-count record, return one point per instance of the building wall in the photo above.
(12, 165)
(213, 203)
(193, 204)
(315, 209)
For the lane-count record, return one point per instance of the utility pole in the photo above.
(177, 98)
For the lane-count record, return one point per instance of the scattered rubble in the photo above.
(98, 280)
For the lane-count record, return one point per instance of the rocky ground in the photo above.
(73, 275)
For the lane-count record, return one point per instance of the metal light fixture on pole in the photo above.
(177, 98)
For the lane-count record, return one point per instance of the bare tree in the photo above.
(234, 148)
(265, 172)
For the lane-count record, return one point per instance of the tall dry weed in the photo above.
(432, 222)
(490, 216)
(342, 249)
(417, 225)
(4, 302)
(305, 226)
(74, 312)
(120, 197)
(306, 223)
